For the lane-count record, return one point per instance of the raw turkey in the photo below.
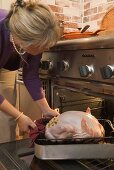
(74, 124)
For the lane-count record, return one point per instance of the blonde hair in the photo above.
(34, 23)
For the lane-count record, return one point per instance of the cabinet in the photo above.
(25, 102)
(5, 4)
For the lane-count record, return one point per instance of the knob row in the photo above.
(85, 70)
(48, 65)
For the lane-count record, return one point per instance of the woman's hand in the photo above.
(25, 123)
(45, 108)
(51, 113)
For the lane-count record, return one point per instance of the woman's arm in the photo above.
(31, 77)
(34, 85)
(45, 108)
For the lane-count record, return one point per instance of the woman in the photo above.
(28, 29)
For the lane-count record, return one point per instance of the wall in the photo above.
(78, 13)
(75, 13)
(5, 4)
(68, 10)
(94, 10)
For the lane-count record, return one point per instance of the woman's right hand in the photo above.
(25, 123)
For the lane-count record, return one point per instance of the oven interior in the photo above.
(65, 99)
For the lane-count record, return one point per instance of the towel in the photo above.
(39, 131)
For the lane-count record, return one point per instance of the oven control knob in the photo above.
(107, 71)
(86, 71)
(46, 65)
(63, 65)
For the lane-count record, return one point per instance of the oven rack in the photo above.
(94, 164)
(97, 164)
(70, 141)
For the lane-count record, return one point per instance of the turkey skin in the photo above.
(74, 124)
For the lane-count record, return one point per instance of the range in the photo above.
(81, 72)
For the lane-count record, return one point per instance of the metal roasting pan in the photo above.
(77, 151)
(89, 148)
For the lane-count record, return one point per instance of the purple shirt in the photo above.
(30, 70)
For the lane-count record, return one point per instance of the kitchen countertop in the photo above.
(94, 42)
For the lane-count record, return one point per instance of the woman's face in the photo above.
(31, 49)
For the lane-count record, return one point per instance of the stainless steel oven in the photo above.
(81, 72)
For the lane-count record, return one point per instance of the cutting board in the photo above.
(107, 23)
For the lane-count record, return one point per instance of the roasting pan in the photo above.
(89, 148)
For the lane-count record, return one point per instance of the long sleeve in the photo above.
(3, 44)
(1, 99)
(31, 77)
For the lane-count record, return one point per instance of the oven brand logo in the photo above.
(88, 55)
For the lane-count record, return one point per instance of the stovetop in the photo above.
(95, 42)
(85, 64)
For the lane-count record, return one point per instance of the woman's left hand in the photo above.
(45, 109)
(51, 113)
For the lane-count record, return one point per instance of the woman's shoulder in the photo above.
(3, 13)
(4, 34)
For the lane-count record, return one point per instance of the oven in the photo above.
(82, 75)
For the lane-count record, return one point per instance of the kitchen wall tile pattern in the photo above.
(69, 11)
(94, 11)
